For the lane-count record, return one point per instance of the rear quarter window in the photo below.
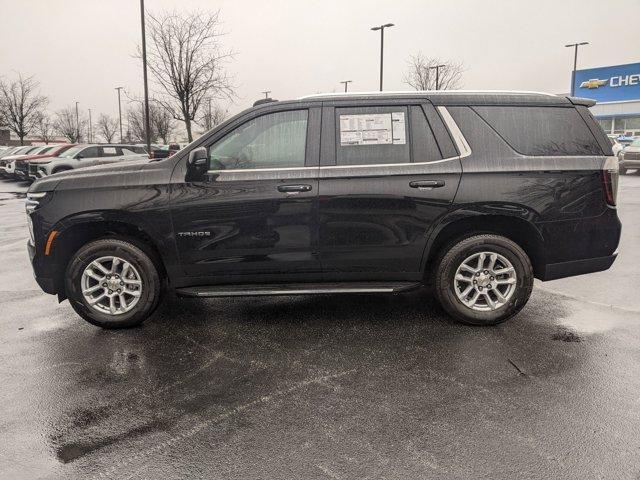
(541, 131)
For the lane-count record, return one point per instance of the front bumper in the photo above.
(553, 271)
(47, 284)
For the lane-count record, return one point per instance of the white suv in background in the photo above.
(82, 156)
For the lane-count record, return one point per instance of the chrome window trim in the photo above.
(458, 138)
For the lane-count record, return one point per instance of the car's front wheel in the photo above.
(113, 283)
(484, 279)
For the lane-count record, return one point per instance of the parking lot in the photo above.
(323, 387)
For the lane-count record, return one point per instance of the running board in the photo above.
(295, 289)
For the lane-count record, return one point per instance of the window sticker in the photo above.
(372, 129)
(399, 133)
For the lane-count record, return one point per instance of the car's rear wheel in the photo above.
(484, 279)
(113, 283)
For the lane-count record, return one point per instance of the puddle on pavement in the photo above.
(588, 319)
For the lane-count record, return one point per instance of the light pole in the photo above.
(77, 124)
(346, 83)
(575, 64)
(437, 68)
(119, 112)
(266, 93)
(90, 135)
(381, 28)
(144, 71)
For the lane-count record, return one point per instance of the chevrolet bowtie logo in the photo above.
(593, 83)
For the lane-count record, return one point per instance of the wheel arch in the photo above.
(517, 229)
(78, 232)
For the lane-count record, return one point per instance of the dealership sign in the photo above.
(609, 84)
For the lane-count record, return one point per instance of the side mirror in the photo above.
(199, 157)
(79, 157)
(197, 165)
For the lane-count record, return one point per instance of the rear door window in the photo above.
(425, 148)
(546, 131)
(372, 135)
(111, 152)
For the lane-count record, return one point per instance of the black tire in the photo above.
(129, 251)
(455, 255)
(61, 169)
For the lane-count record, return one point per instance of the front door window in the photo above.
(275, 140)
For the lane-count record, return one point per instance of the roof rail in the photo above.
(430, 92)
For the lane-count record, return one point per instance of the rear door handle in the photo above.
(427, 184)
(294, 188)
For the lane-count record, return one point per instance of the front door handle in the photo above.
(294, 188)
(427, 184)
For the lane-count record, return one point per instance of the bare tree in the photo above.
(65, 124)
(186, 59)
(44, 128)
(421, 73)
(21, 105)
(214, 114)
(107, 127)
(135, 116)
(162, 122)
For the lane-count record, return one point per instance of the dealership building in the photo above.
(616, 89)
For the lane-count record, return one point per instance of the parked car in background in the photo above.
(616, 146)
(7, 163)
(9, 151)
(21, 171)
(625, 140)
(476, 194)
(630, 157)
(165, 151)
(86, 155)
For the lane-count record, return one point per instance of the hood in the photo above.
(33, 157)
(11, 158)
(631, 149)
(134, 173)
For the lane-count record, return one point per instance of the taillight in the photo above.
(610, 180)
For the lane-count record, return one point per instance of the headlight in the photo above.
(34, 200)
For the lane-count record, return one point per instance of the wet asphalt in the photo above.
(323, 387)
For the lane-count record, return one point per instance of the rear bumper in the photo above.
(553, 271)
(624, 163)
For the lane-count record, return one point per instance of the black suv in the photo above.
(473, 193)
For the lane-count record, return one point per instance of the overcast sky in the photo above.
(80, 50)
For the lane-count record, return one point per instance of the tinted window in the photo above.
(110, 152)
(542, 130)
(275, 140)
(90, 152)
(372, 135)
(425, 148)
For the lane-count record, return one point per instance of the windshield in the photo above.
(636, 142)
(46, 149)
(71, 152)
